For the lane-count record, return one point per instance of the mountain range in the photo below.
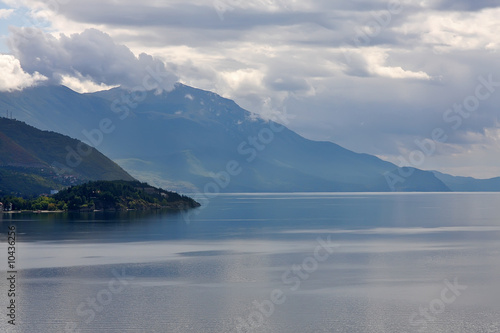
(190, 140)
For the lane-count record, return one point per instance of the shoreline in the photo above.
(33, 211)
(94, 211)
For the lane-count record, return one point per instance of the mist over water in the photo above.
(315, 262)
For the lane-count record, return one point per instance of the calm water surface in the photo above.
(317, 262)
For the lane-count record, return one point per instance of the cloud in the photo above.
(89, 56)
(13, 77)
(5, 13)
(287, 83)
(453, 31)
(271, 55)
(373, 62)
(464, 5)
(82, 85)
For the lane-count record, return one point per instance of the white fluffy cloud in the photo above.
(453, 31)
(89, 56)
(13, 76)
(5, 13)
(372, 61)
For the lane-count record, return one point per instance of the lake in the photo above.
(305, 262)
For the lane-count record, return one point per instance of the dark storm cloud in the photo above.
(91, 55)
(185, 15)
(465, 5)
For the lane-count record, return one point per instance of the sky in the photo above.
(415, 82)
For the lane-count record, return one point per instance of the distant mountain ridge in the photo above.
(469, 184)
(34, 161)
(187, 138)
